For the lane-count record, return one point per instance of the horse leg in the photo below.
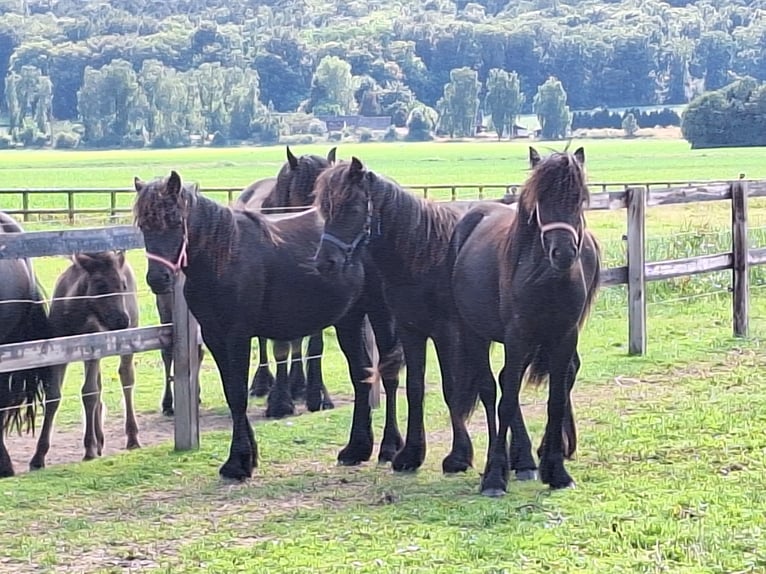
(99, 418)
(350, 331)
(552, 471)
(263, 379)
(128, 380)
(569, 430)
(317, 397)
(391, 362)
(91, 397)
(494, 482)
(413, 453)
(165, 310)
(520, 459)
(52, 401)
(280, 402)
(460, 457)
(231, 352)
(6, 466)
(297, 378)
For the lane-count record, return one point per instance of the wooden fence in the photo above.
(452, 192)
(636, 273)
(182, 333)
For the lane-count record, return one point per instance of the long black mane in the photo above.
(417, 229)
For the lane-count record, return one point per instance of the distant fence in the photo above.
(451, 192)
(182, 333)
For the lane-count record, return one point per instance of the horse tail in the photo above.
(374, 377)
(25, 390)
(537, 374)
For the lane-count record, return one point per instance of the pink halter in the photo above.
(183, 257)
(545, 227)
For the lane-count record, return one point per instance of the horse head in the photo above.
(161, 212)
(553, 201)
(296, 179)
(107, 278)
(343, 198)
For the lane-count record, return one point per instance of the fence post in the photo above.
(636, 267)
(185, 371)
(740, 251)
(25, 203)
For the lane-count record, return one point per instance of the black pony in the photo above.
(291, 189)
(23, 317)
(247, 276)
(408, 239)
(526, 277)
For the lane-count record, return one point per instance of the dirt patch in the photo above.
(153, 429)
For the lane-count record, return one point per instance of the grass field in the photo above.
(671, 467)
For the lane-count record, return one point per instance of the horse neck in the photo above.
(412, 232)
(208, 224)
(524, 238)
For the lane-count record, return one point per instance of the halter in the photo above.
(544, 228)
(362, 238)
(183, 257)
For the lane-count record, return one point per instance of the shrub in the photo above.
(66, 140)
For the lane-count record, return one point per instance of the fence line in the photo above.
(611, 195)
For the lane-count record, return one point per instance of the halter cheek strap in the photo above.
(348, 248)
(183, 257)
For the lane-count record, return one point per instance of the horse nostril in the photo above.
(555, 252)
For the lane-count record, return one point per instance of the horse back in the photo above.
(253, 196)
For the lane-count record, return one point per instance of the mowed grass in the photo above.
(670, 468)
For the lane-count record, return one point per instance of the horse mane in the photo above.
(423, 230)
(220, 239)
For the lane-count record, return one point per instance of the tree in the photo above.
(504, 100)
(111, 103)
(333, 87)
(421, 123)
(630, 125)
(28, 96)
(458, 106)
(550, 106)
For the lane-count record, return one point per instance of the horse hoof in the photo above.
(89, 457)
(453, 465)
(168, 412)
(493, 492)
(408, 460)
(327, 405)
(524, 475)
(279, 411)
(234, 472)
(570, 484)
(132, 445)
(34, 465)
(6, 472)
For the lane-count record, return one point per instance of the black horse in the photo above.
(526, 277)
(23, 317)
(247, 276)
(409, 240)
(291, 189)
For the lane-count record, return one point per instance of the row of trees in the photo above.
(614, 54)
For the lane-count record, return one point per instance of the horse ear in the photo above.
(120, 257)
(357, 168)
(174, 185)
(291, 159)
(534, 157)
(580, 155)
(84, 261)
(331, 155)
(138, 184)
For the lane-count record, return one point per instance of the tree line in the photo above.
(395, 58)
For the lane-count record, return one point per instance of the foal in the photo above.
(96, 293)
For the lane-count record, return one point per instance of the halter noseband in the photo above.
(544, 228)
(349, 248)
(183, 257)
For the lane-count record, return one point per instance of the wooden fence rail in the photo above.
(636, 273)
(182, 333)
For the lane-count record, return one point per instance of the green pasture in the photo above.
(670, 469)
